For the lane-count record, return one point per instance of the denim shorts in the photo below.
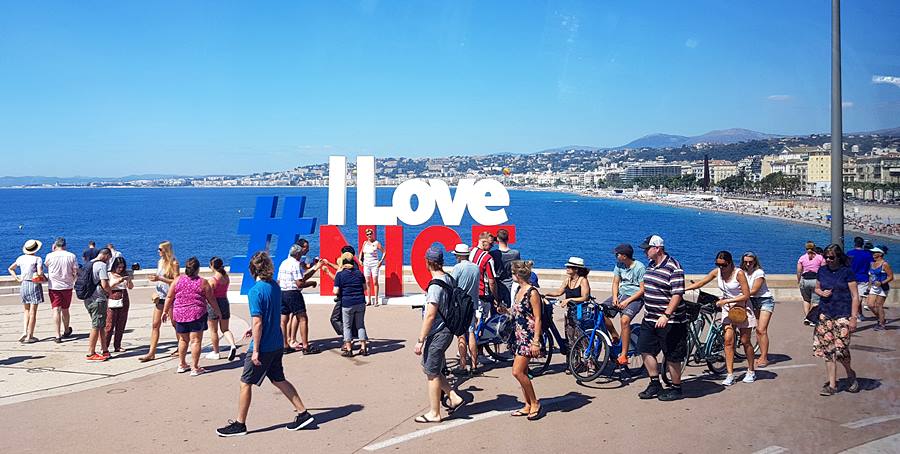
(765, 303)
(631, 310)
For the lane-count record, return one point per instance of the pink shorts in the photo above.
(61, 298)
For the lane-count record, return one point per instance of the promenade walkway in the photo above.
(52, 399)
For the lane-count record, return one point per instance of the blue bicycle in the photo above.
(589, 354)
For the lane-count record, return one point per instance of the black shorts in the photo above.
(671, 340)
(270, 366)
(292, 302)
(195, 326)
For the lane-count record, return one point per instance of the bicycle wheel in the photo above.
(586, 361)
(739, 350)
(664, 371)
(499, 351)
(715, 351)
(539, 365)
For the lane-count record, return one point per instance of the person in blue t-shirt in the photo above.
(264, 301)
(838, 308)
(860, 259)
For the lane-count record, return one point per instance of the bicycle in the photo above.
(549, 335)
(591, 351)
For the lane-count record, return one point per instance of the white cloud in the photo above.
(847, 104)
(691, 43)
(886, 80)
(780, 98)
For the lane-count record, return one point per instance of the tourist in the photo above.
(167, 270)
(525, 342)
(266, 353)
(761, 301)
(879, 279)
(665, 321)
(31, 292)
(114, 254)
(503, 259)
(62, 270)
(481, 257)
(838, 308)
(96, 306)
(434, 340)
(575, 289)
(860, 259)
(89, 254)
(118, 303)
(736, 312)
(219, 283)
(807, 268)
(627, 294)
(349, 286)
(371, 254)
(189, 296)
(302, 325)
(466, 275)
(291, 280)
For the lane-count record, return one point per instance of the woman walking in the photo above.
(118, 303)
(371, 254)
(219, 283)
(880, 277)
(807, 268)
(166, 271)
(736, 315)
(349, 286)
(31, 275)
(762, 303)
(839, 306)
(186, 303)
(525, 312)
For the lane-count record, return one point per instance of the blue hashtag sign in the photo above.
(263, 225)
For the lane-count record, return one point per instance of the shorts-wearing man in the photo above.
(265, 351)
(62, 270)
(292, 279)
(96, 307)
(466, 275)
(627, 294)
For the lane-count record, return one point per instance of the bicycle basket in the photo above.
(706, 299)
(585, 314)
(693, 310)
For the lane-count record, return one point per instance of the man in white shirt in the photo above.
(114, 254)
(62, 270)
(293, 275)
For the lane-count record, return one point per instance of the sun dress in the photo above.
(523, 326)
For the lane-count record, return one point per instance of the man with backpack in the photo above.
(92, 286)
(446, 309)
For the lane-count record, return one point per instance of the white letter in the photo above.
(452, 210)
(493, 194)
(403, 202)
(366, 211)
(337, 190)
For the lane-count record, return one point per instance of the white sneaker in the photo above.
(729, 380)
(749, 377)
(182, 370)
(212, 355)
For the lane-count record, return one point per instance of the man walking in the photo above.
(96, 307)
(90, 253)
(665, 321)
(62, 270)
(265, 350)
(292, 278)
(466, 275)
(434, 340)
(860, 261)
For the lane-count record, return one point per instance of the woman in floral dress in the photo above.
(525, 314)
(838, 308)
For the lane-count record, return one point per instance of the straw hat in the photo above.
(31, 247)
(575, 262)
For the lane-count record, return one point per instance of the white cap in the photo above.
(652, 241)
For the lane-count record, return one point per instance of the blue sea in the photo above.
(550, 227)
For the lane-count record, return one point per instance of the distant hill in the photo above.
(722, 136)
(892, 132)
(39, 180)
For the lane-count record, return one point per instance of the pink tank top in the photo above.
(190, 302)
(220, 290)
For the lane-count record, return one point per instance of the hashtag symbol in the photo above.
(263, 225)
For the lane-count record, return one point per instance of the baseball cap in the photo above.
(624, 249)
(434, 255)
(652, 241)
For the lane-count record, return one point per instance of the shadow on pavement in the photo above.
(227, 365)
(321, 415)
(775, 358)
(695, 388)
(162, 350)
(17, 359)
(870, 349)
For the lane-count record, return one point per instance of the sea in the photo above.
(550, 226)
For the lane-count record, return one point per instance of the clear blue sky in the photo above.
(116, 88)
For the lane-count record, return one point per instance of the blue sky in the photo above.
(116, 88)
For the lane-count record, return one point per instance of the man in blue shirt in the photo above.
(860, 260)
(264, 301)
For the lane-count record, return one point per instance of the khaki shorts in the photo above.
(97, 310)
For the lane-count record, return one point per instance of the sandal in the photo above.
(347, 353)
(364, 351)
(451, 409)
(311, 350)
(25, 336)
(854, 384)
(535, 415)
(422, 419)
(827, 390)
(147, 358)
(518, 413)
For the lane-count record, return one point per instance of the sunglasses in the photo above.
(829, 257)
(749, 262)
(159, 249)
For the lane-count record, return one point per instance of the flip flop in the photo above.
(518, 413)
(422, 419)
(535, 415)
(452, 408)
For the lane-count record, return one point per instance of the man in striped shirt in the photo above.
(481, 256)
(665, 320)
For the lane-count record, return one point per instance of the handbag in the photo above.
(116, 303)
(737, 314)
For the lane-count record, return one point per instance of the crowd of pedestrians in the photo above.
(484, 281)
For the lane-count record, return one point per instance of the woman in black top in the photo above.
(349, 286)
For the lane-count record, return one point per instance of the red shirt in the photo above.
(485, 264)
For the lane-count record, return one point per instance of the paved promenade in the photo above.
(52, 399)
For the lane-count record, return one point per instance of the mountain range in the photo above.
(723, 136)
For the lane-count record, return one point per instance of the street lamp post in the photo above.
(837, 150)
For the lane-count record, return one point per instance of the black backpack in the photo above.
(460, 307)
(85, 285)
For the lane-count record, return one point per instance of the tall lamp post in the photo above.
(837, 149)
